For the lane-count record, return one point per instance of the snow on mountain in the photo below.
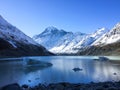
(12, 34)
(56, 40)
(66, 43)
(107, 44)
(110, 37)
(13, 42)
(50, 37)
(60, 41)
(99, 32)
(91, 38)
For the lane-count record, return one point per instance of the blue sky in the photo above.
(33, 16)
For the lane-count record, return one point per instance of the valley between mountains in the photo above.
(101, 42)
(51, 41)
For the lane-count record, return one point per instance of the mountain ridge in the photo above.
(67, 42)
(15, 43)
(108, 44)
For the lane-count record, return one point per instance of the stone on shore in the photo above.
(67, 86)
(14, 86)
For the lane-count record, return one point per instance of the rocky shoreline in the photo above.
(66, 86)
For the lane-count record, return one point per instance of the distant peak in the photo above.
(116, 28)
(117, 25)
(99, 32)
(51, 28)
(80, 33)
(62, 30)
(103, 29)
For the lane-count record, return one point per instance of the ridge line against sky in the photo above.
(33, 16)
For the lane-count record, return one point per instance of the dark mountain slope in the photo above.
(14, 43)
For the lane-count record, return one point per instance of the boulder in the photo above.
(103, 58)
(14, 86)
(77, 69)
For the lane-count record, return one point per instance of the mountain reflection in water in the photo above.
(61, 71)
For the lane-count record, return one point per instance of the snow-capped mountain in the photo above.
(50, 37)
(107, 44)
(12, 34)
(56, 40)
(111, 37)
(91, 38)
(60, 41)
(66, 43)
(16, 40)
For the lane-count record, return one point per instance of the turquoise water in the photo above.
(61, 71)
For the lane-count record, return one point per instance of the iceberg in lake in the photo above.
(102, 58)
(28, 62)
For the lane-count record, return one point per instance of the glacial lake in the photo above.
(13, 71)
